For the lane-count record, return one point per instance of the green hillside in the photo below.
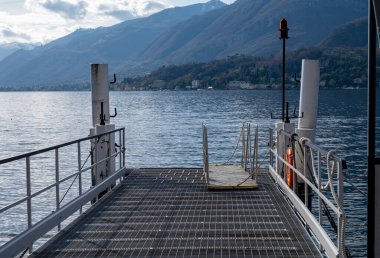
(340, 68)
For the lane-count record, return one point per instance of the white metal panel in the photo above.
(99, 84)
(309, 94)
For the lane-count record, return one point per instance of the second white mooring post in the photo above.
(308, 110)
(103, 147)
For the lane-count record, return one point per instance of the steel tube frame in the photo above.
(330, 248)
(25, 239)
(60, 181)
(57, 198)
(29, 199)
(59, 146)
(79, 174)
(318, 230)
(28, 242)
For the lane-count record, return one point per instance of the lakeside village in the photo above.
(159, 85)
(195, 85)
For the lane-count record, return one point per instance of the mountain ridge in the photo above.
(68, 58)
(138, 46)
(254, 29)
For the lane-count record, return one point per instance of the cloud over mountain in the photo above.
(69, 56)
(122, 9)
(42, 21)
(13, 34)
(68, 10)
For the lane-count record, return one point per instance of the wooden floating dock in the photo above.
(171, 213)
(229, 177)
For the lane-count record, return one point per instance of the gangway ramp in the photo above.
(232, 176)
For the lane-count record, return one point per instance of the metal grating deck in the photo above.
(171, 213)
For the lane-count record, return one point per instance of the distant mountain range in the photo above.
(7, 49)
(194, 33)
(67, 59)
(251, 27)
(351, 34)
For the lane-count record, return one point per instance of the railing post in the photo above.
(278, 162)
(124, 147)
(270, 147)
(57, 201)
(257, 151)
(242, 147)
(319, 190)
(306, 187)
(340, 183)
(96, 160)
(120, 146)
(29, 200)
(79, 173)
(247, 146)
(340, 201)
(206, 153)
(295, 177)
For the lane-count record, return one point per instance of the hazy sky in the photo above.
(40, 21)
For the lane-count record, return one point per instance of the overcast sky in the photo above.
(40, 21)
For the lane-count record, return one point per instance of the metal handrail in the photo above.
(35, 231)
(32, 153)
(313, 222)
(249, 153)
(205, 151)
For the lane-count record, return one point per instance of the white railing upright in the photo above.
(36, 229)
(325, 181)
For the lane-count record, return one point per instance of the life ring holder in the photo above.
(288, 170)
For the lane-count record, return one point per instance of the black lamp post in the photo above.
(283, 35)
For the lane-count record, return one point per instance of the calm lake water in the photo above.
(164, 129)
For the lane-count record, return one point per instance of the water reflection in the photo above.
(164, 129)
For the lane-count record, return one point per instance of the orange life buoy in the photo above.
(288, 170)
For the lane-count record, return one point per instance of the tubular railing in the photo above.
(320, 174)
(249, 153)
(205, 151)
(36, 230)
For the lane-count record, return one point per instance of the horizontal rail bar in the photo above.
(330, 248)
(28, 237)
(320, 194)
(13, 204)
(55, 184)
(32, 153)
(311, 145)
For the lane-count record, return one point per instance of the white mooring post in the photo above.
(104, 146)
(99, 93)
(307, 115)
(308, 99)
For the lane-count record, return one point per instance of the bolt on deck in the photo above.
(171, 213)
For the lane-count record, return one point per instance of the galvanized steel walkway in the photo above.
(171, 213)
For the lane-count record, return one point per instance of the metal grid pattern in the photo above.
(170, 213)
